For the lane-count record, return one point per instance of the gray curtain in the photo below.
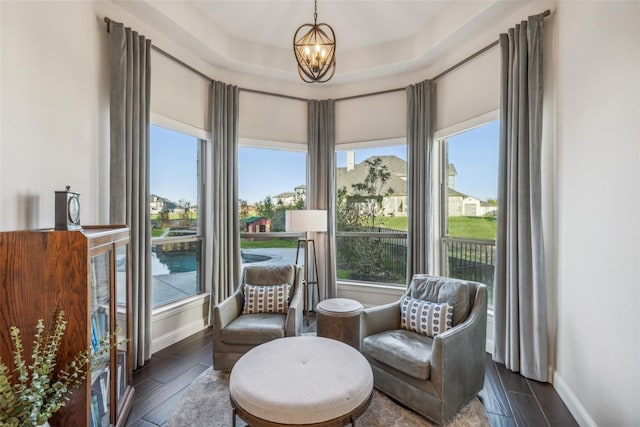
(321, 130)
(223, 233)
(130, 80)
(521, 339)
(420, 128)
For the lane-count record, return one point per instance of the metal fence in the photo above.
(372, 254)
(470, 260)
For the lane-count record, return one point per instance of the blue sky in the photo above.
(174, 165)
(265, 172)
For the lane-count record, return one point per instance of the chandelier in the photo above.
(315, 50)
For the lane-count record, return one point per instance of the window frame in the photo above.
(301, 147)
(440, 139)
(379, 143)
(203, 139)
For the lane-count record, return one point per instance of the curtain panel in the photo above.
(420, 129)
(321, 187)
(520, 322)
(130, 77)
(223, 235)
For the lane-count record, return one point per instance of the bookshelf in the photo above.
(86, 274)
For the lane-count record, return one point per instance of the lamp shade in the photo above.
(306, 220)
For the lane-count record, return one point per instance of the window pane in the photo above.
(271, 181)
(176, 240)
(371, 214)
(470, 220)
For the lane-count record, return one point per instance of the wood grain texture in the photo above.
(43, 270)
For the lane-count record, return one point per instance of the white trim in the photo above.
(573, 404)
(264, 143)
(467, 125)
(371, 144)
(177, 335)
(166, 122)
(173, 308)
(178, 309)
(489, 343)
(371, 288)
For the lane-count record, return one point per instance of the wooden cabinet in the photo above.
(86, 274)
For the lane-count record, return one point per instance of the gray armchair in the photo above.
(433, 376)
(235, 333)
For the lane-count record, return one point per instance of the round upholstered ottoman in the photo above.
(301, 381)
(339, 318)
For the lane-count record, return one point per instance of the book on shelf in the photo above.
(95, 411)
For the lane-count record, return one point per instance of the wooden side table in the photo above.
(339, 318)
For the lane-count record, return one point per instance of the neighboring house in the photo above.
(257, 224)
(394, 204)
(159, 204)
(463, 205)
(289, 198)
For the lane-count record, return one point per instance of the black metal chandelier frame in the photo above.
(315, 50)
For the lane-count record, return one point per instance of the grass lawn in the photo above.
(466, 227)
(473, 227)
(290, 242)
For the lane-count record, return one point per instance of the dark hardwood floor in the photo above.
(509, 399)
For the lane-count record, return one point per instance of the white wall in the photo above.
(53, 111)
(598, 256)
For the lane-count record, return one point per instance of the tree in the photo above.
(185, 205)
(244, 208)
(163, 218)
(364, 206)
(360, 211)
(265, 208)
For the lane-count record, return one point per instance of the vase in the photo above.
(45, 424)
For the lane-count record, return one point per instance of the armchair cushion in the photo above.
(254, 329)
(406, 351)
(443, 289)
(266, 299)
(425, 317)
(270, 275)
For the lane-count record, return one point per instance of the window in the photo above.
(271, 181)
(371, 214)
(176, 242)
(470, 183)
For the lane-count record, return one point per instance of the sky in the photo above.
(174, 165)
(263, 172)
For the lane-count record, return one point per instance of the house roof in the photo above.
(397, 182)
(252, 219)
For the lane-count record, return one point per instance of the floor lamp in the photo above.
(307, 221)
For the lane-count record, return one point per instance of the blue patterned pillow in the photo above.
(425, 317)
(266, 299)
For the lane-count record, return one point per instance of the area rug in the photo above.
(206, 403)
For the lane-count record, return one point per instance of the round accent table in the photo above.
(339, 318)
(300, 381)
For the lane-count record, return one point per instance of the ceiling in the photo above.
(374, 38)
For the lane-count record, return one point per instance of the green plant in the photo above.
(41, 388)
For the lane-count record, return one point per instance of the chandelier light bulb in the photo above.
(318, 66)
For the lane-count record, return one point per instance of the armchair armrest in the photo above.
(458, 355)
(225, 312)
(296, 309)
(380, 318)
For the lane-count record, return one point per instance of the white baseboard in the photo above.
(573, 404)
(176, 335)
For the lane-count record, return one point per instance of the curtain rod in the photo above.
(297, 98)
(442, 74)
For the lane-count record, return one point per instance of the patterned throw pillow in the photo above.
(266, 299)
(425, 317)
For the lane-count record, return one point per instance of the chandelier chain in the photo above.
(315, 12)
